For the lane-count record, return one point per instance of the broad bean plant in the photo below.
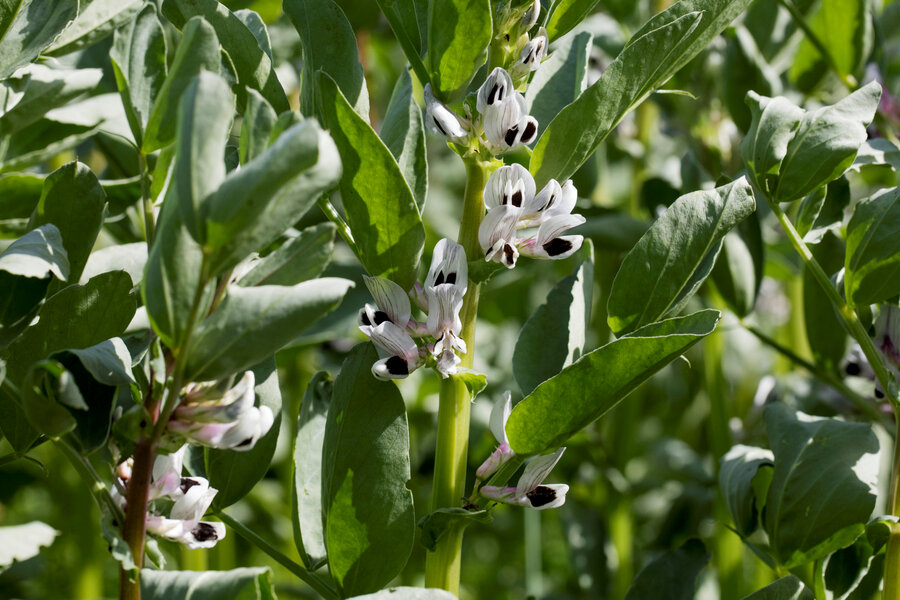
(268, 268)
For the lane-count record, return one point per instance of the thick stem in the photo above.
(449, 488)
(892, 557)
(135, 529)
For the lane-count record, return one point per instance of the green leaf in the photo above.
(369, 518)
(254, 67)
(306, 496)
(745, 69)
(809, 516)
(131, 258)
(566, 15)
(672, 575)
(665, 44)
(739, 268)
(256, 126)
(28, 27)
(109, 362)
(299, 259)
(670, 262)
(19, 194)
(41, 90)
(38, 254)
(380, 207)
(21, 542)
(404, 134)
(235, 473)
(459, 32)
(73, 200)
(553, 337)
(43, 141)
(329, 46)
(257, 26)
(205, 115)
(739, 468)
(197, 51)
(872, 262)
(825, 143)
(824, 327)
(96, 20)
(845, 29)
(407, 593)
(173, 275)
(138, 58)
(253, 323)
(561, 79)
(474, 381)
(97, 397)
(599, 380)
(243, 584)
(786, 588)
(46, 391)
(261, 200)
(437, 524)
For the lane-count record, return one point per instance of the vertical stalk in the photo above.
(146, 201)
(442, 566)
(135, 530)
(892, 557)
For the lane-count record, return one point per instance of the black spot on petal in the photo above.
(517, 198)
(509, 253)
(246, 442)
(528, 57)
(557, 246)
(541, 495)
(529, 132)
(451, 279)
(439, 279)
(204, 532)
(381, 317)
(495, 94)
(879, 394)
(186, 484)
(438, 125)
(510, 137)
(853, 368)
(550, 202)
(397, 366)
(364, 318)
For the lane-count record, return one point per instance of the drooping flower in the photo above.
(495, 89)
(531, 15)
(530, 490)
(229, 419)
(532, 53)
(443, 121)
(445, 288)
(507, 124)
(499, 416)
(387, 326)
(520, 221)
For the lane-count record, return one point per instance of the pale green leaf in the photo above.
(459, 32)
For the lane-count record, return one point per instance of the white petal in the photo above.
(393, 367)
(526, 131)
(548, 495)
(169, 466)
(536, 471)
(495, 88)
(394, 341)
(224, 409)
(498, 224)
(205, 534)
(534, 51)
(549, 242)
(547, 198)
(442, 120)
(500, 118)
(247, 430)
(566, 202)
(499, 417)
(504, 182)
(390, 298)
(448, 265)
(531, 15)
(194, 501)
(444, 304)
(447, 361)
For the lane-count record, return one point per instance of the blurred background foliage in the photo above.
(643, 478)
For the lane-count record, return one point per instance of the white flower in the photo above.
(512, 204)
(531, 16)
(508, 124)
(392, 302)
(495, 89)
(442, 120)
(388, 325)
(533, 53)
(227, 420)
(531, 491)
(445, 288)
(499, 417)
(887, 333)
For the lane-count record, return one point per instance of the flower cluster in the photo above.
(530, 489)
(520, 221)
(177, 503)
(229, 419)
(390, 326)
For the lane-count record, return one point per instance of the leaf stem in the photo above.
(848, 80)
(442, 567)
(342, 227)
(314, 581)
(864, 405)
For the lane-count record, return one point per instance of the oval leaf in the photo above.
(459, 32)
(872, 263)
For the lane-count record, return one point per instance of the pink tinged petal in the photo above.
(497, 459)
(447, 362)
(551, 495)
(165, 527)
(448, 266)
(503, 184)
(209, 434)
(390, 298)
(228, 407)
(417, 293)
(494, 90)
(205, 534)
(536, 472)
(498, 494)
(417, 328)
(499, 416)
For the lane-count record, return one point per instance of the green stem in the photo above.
(342, 227)
(819, 579)
(146, 201)
(862, 404)
(313, 580)
(443, 565)
(892, 553)
(848, 80)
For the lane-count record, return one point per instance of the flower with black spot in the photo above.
(388, 325)
(500, 456)
(530, 490)
(445, 288)
(443, 121)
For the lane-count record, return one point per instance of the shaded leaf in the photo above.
(739, 468)
(435, 525)
(404, 134)
(37, 254)
(872, 262)
(459, 32)
(42, 89)
(28, 27)
(256, 126)
(786, 588)
(299, 259)
(244, 584)
(561, 78)
(738, 271)
(672, 575)
(95, 21)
